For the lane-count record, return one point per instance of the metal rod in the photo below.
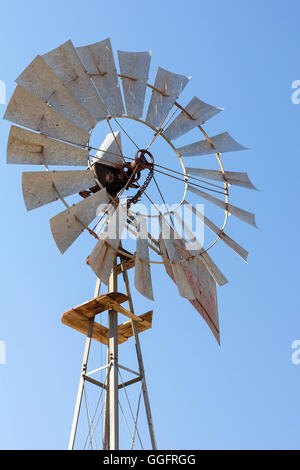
(97, 370)
(140, 361)
(128, 370)
(105, 439)
(113, 360)
(130, 382)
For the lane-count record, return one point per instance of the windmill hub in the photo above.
(115, 178)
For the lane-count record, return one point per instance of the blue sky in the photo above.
(242, 56)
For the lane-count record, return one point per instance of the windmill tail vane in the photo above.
(59, 100)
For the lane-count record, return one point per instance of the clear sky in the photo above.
(242, 56)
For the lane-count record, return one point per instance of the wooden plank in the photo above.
(130, 263)
(80, 323)
(125, 329)
(99, 304)
(79, 317)
(116, 306)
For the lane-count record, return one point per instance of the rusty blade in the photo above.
(99, 62)
(194, 250)
(29, 111)
(28, 148)
(221, 143)
(134, 65)
(67, 226)
(169, 86)
(43, 187)
(65, 62)
(174, 255)
(201, 283)
(211, 266)
(241, 214)
(40, 80)
(235, 178)
(198, 112)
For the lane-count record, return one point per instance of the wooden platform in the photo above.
(79, 317)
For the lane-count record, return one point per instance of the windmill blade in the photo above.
(202, 285)
(232, 177)
(104, 254)
(142, 272)
(66, 226)
(40, 80)
(238, 249)
(216, 273)
(135, 65)
(110, 150)
(29, 111)
(168, 240)
(208, 262)
(28, 148)
(99, 62)
(204, 288)
(199, 111)
(241, 214)
(221, 143)
(39, 186)
(193, 243)
(65, 62)
(170, 85)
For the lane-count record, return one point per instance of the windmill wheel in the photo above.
(62, 96)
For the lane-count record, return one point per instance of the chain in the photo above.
(134, 199)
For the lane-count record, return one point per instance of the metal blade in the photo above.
(210, 265)
(67, 65)
(245, 216)
(66, 226)
(110, 150)
(171, 85)
(212, 268)
(233, 177)
(200, 112)
(174, 256)
(202, 284)
(222, 143)
(40, 80)
(99, 62)
(39, 186)
(103, 255)
(29, 148)
(142, 273)
(29, 111)
(135, 65)
(238, 249)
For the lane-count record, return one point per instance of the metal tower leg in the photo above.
(113, 395)
(140, 360)
(81, 385)
(111, 385)
(83, 372)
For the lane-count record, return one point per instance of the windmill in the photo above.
(59, 99)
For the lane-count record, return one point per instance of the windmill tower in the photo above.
(59, 99)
